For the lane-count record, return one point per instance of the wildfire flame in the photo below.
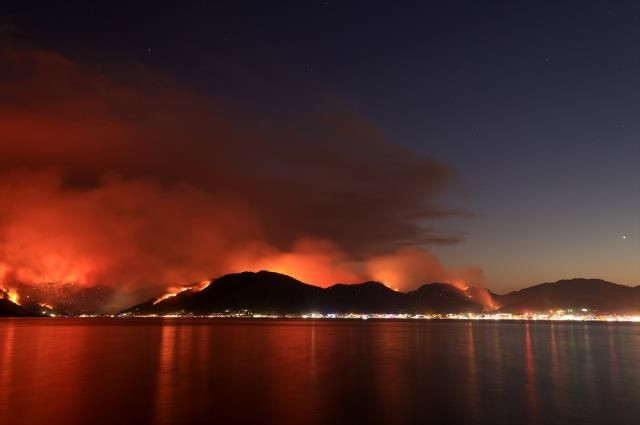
(461, 285)
(11, 295)
(171, 292)
(478, 294)
(175, 290)
(201, 286)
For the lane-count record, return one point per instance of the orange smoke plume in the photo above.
(137, 183)
(315, 261)
(408, 268)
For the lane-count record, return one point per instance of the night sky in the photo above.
(533, 106)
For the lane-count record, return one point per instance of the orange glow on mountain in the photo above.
(171, 292)
(175, 290)
(202, 285)
(459, 284)
(11, 295)
(312, 261)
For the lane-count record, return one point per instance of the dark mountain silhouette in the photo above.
(264, 292)
(268, 292)
(442, 298)
(365, 297)
(9, 309)
(593, 294)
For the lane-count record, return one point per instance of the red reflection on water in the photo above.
(614, 372)
(391, 381)
(40, 380)
(554, 352)
(557, 372)
(496, 357)
(194, 371)
(6, 360)
(530, 369)
(472, 372)
(166, 369)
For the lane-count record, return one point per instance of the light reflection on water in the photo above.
(181, 371)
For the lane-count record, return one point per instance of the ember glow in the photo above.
(171, 292)
(175, 290)
(11, 295)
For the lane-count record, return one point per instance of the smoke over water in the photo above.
(130, 181)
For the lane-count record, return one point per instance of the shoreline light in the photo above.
(560, 316)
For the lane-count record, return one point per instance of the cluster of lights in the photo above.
(582, 315)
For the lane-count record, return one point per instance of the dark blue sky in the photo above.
(534, 104)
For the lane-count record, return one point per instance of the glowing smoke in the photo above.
(137, 183)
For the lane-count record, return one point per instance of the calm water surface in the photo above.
(113, 371)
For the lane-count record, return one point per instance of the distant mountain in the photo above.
(73, 299)
(593, 294)
(268, 292)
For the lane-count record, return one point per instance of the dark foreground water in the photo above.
(112, 371)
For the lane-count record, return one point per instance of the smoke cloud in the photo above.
(123, 177)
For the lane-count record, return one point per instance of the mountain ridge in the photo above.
(595, 295)
(10, 309)
(270, 292)
(577, 293)
(252, 293)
